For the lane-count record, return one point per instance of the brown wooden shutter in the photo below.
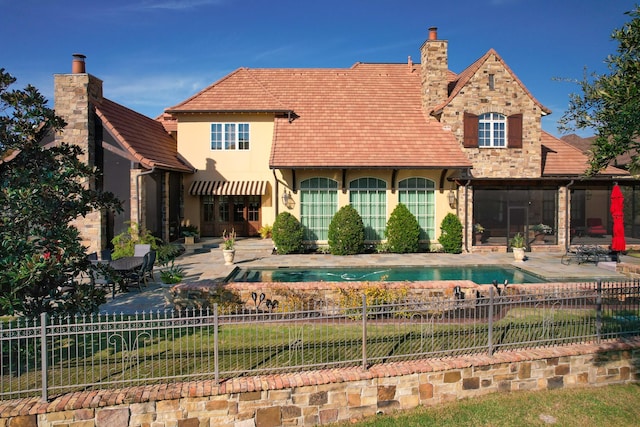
(470, 130)
(514, 129)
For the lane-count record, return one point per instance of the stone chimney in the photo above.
(75, 98)
(434, 70)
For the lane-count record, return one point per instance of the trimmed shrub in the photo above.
(346, 232)
(287, 234)
(451, 236)
(403, 231)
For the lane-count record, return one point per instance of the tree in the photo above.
(451, 234)
(42, 189)
(610, 103)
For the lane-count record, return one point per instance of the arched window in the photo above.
(318, 204)
(492, 130)
(418, 195)
(369, 197)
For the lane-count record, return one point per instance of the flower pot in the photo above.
(229, 255)
(189, 240)
(518, 254)
(478, 239)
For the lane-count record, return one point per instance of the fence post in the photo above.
(364, 331)
(43, 356)
(215, 343)
(490, 325)
(599, 311)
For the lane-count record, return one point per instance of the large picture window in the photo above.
(230, 136)
(318, 204)
(369, 197)
(418, 195)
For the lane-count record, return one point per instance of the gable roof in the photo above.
(369, 115)
(463, 78)
(144, 138)
(560, 158)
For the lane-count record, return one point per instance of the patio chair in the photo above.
(105, 255)
(141, 249)
(595, 227)
(148, 273)
(137, 277)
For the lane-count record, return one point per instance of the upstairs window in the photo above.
(229, 136)
(492, 130)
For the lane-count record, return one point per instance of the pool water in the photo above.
(478, 274)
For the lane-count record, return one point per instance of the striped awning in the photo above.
(228, 188)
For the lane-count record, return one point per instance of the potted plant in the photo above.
(540, 230)
(478, 231)
(170, 275)
(190, 233)
(229, 246)
(517, 244)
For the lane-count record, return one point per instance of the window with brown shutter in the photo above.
(514, 129)
(470, 130)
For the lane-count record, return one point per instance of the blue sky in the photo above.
(152, 54)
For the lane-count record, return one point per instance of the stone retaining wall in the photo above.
(321, 397)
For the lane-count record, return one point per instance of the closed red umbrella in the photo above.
(618, 242)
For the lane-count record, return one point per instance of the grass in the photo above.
(144, 354)
(610, 405)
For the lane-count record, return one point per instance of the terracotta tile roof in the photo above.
(368, 115)
(144, 138)
(562, 158)
(463, 78)
(169, 122)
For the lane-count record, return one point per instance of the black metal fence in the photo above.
(52, 356)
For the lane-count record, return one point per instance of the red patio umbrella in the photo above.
(618, 242)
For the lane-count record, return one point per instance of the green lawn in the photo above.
(598, 406)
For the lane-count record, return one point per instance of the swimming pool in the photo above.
(480, 274)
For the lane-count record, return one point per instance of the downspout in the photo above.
(567, 230)
(153, 169)
(275, 192)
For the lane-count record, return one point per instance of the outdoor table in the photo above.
(122, 266)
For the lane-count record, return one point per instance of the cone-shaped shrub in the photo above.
(403, 231)
(346, 232)
(451, 235)
(287, 234)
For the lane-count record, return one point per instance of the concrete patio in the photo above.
(204, 261)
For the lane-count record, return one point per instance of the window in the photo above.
(229, 136)
(369, 197)
(492, 82)
(418, 195)
(318, 204)
(492, 130)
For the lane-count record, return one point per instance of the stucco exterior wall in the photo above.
(194, 144)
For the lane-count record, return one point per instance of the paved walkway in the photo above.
(204, 261)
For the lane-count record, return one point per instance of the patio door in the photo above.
(240, 213)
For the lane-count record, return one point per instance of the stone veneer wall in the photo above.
(75, 96)
(508, 98)
(322, 397)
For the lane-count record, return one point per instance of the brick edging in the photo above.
(141, 394)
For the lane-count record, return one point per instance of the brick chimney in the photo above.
(434, 70)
